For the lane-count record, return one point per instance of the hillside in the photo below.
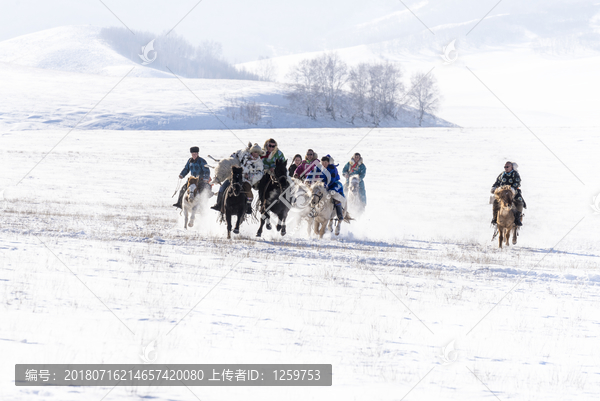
(54, 77)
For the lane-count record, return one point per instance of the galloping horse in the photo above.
(354, 202)
(322, 210)
(270, 190)
(506, 217)
(191, 200)
(235, 201)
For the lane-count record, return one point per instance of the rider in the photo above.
(307, 165)
(252, 167)
(332, 183)
(197, 167)
(511, 177)
(271, 155)
(356, 167)
(294, 165)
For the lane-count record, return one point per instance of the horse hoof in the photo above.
(258, 235)
(268, 226)
(283, 232)
(236, 231)
(191, 225)
(278, 227)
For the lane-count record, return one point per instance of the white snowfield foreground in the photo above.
(411, 296)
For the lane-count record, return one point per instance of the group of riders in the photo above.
(258, 163)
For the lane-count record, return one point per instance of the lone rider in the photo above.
(252, 167)
(511, 177)
(332, 184)
(197, 167)
(356, 167)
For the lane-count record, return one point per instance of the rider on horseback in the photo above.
(253, 171)
(197, 167)
(307, 165)
(356, 167)
(271, 155)
(511, 177)
(332, 183)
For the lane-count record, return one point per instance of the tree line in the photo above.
(180, 56)
(370, 92)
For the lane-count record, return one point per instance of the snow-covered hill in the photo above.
(78, 49)
(54, 77)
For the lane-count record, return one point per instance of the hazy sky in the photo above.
(247, 29)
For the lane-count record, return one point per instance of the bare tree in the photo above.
(305, 95)
(334, 75)
(358, 80)
(266, 69)
(424, 94)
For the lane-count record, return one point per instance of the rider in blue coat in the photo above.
(197, 167)
(332, 183)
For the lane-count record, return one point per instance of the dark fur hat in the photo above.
(194, 149)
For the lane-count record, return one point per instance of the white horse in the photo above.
(354, 202)
(322, 211)
(191, 200)
(299, 198)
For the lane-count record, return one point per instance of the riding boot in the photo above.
(338, 211)
(249, 206)
(218, 206)
(180, 199)
(518, 222)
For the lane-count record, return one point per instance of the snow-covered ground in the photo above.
(380, 303)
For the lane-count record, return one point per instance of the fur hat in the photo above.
(194, 149)
(255, 148)
(515, 166)
(328, 157)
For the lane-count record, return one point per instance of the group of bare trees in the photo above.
(326, 87)
(174, 53)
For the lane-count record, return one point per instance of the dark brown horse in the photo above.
(235, 201)
(272, 194)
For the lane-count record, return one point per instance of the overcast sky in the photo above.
(247, 29)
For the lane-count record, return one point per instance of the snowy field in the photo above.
(95, 265)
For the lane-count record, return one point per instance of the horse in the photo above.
(355, 203)
(234, 202)
(506, 215)
(322, 210)
(270, 189)
(191, 200)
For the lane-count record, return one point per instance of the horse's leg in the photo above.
(501, 236)
(338, 227)
(508, 237)
(515, 236)
(262, 223)
(240, 214)
(192, 217)
(228, 218)
(268, 220)
(283, 231)
(185, 217)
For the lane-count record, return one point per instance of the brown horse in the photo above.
(506, 215)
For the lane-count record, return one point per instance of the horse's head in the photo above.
(354, 184)
(505, 195)
(237, 178)
(193, 187)
(318, 193)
